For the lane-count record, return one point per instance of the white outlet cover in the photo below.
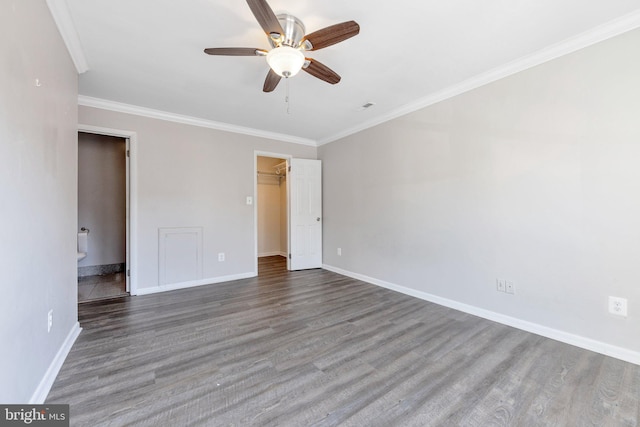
(509, 288)
(249, 200)
(618, 306)
(221, 256)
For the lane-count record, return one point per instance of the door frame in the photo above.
(131, 202)
(288, 158)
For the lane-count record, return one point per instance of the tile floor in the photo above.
(91, 288)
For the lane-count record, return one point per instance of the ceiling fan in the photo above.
(286, 35)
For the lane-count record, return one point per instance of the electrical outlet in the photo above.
(505, 286)
(221, 256)
(509, 287)
(49, 320)
(339, 251)
(618, 306)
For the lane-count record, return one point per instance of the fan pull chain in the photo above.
(286, 98)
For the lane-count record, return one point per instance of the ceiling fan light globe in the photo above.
(285, 61)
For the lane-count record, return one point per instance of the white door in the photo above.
(305, 219)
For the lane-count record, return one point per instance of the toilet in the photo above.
(83, 243)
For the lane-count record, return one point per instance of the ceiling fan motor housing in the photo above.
(294, 31)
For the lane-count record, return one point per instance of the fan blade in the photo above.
(321, 71)
(271, 81)
(265, 17)
(235, 51)
(331, 35)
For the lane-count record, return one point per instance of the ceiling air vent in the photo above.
(365, 106)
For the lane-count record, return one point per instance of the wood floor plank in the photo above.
(314, 348)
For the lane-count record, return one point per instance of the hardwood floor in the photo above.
(314, 348)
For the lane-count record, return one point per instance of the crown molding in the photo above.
(105, 104)
(62, 17)
(600, 33)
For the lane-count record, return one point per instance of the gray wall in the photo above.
(102, 197)
(189, 176)
(38, 193)
(533, 179)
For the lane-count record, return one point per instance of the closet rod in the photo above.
(280, 166)
(270, 174)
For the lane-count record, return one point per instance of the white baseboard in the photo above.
(40, 394)
(193, 283)
(274, 253)
(545, 331)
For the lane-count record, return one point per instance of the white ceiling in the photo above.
(149, 53)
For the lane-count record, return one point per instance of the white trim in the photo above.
(545, 331)
(605, 31)
(133, 195)
(40, 394)
(256, 154)
(127, 219)
(62, 17)
(274, 253)
(600, 33)
(105, 104)
(194, 283)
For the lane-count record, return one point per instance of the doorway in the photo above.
(288, 224)
(102, 216)
(271, 212)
